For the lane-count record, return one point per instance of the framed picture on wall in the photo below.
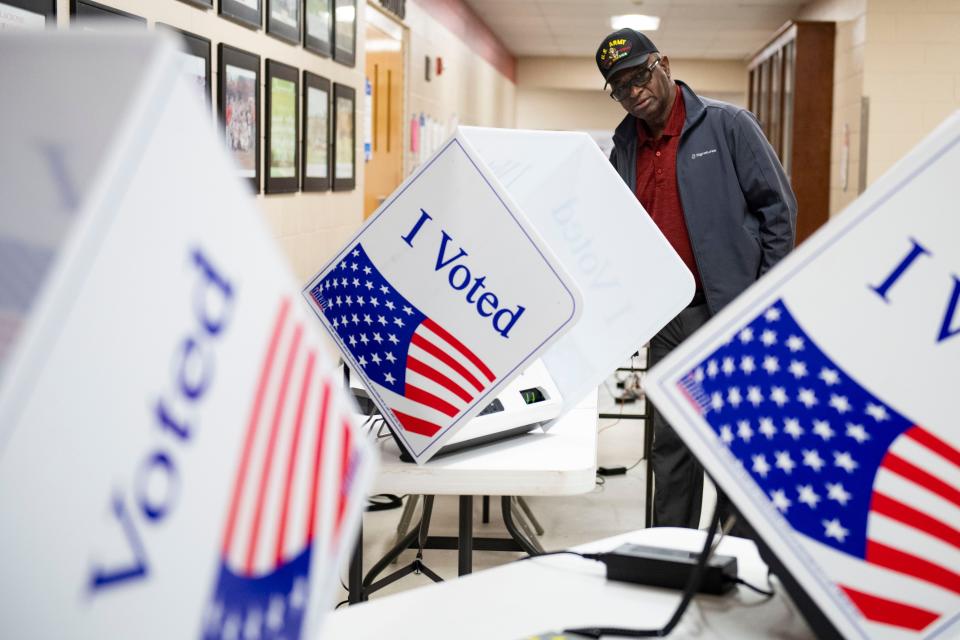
(249, 13)
(282, 157)
(87, 14)
(195, 57)
(344, 138)
(239, 105)
(24, 15)
(345, 31)
(318, 26)
(315, 154)
(283, 19)
(206, 4)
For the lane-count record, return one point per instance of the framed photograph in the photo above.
(206, 4)
(239, 104)
(195, 52)
(249, 13)
(282, 157)
(283, 20)
(344, 138)
(318, 26)
(27, 15)
(345, 32)
(315, 154)
(87, 14)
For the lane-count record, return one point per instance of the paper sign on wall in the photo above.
(821, 401)
(176, 458)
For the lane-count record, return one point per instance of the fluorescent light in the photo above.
(636, 21)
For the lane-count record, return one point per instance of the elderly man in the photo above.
(713, 185)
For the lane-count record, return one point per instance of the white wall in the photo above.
(567, 93)
(470, 91)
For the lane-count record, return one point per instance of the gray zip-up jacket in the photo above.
(740, 211)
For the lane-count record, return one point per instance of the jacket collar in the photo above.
(626, 131)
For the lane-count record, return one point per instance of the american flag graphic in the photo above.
(280, 500)
(842, 466)
(425, 374)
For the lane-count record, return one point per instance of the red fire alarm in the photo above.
(439, 65)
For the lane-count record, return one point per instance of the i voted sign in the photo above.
(178, 458)
(821, 402)
(443, 295)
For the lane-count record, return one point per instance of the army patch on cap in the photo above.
(615, 50)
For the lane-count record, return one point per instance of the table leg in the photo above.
(355, 576)
(486, 509)
(529, 513)
(508, 522)
(465, 545)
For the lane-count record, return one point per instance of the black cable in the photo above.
(693, 585)
(383, 502)
(756, 589)
(587, 556)
(341, 603)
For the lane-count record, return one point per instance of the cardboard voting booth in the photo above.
(176, 458)
(821, 402)
(505, 247)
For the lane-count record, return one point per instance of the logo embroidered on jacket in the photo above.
(700, 154)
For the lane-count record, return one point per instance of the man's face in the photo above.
(651, 101)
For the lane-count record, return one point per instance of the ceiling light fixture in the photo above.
(636, 21)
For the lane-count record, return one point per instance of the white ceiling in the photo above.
(713, 29)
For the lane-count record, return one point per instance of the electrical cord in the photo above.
(586, 556)
(769, 592)
(384, 502)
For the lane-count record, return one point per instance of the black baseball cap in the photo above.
(621, 50)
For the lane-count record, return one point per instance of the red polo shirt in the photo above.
(657, 187)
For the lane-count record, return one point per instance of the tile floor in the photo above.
(615, 507)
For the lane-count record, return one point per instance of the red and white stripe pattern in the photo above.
(297, 460)
(442, 378)
(424, 374)
(913, 535)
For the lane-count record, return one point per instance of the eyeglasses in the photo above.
(625, 89)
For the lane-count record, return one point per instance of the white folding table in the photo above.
(527, 598)
(561, 461)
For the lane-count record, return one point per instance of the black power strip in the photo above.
(668, 568)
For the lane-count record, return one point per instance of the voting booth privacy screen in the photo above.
(505, 247)
(822, 403)
(176, 458)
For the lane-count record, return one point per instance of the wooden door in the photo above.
(384, 170)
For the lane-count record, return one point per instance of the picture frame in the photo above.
(197, 53)
(344, 138)
(281, 158)
(315, 152)
(203, 4)
(345, 32)
(318, 27)
(284, 18)
(238, 94)
(28, 14)
(248, 13)
(82, 11)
